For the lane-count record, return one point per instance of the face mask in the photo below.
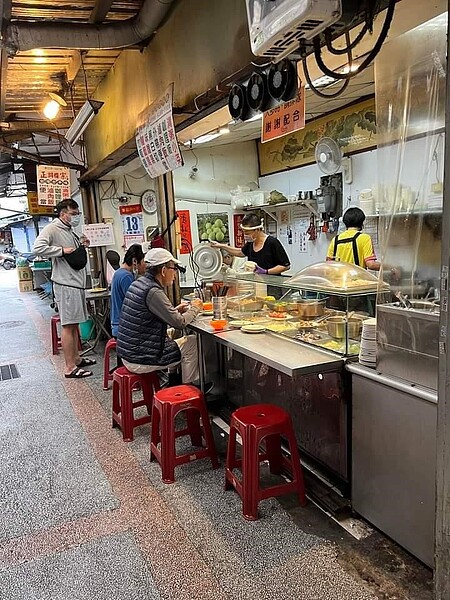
(248, 238)
(75, 220)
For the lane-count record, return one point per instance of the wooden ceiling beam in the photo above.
(74, 66)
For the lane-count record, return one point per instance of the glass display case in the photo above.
(323, 305)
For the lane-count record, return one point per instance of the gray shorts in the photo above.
(71, 304)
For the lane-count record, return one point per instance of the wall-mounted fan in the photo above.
(282, 80)
(257, 93)
(330, 159)
(237, 102)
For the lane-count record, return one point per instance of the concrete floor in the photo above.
(85, 516)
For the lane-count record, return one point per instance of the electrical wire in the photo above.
(370, 57)
(313, 88)
(195, 268)
(350, 46)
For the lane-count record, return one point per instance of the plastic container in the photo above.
(87, 331)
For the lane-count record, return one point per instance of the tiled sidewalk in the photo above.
(84, 516)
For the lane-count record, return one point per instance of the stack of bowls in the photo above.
(368, 351)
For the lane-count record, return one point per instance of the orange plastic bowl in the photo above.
(218, 324)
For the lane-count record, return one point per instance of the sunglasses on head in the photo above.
(177, 268)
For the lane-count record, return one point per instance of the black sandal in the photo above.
(86, 362)
(78, 373)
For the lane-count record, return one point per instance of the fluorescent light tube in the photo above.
(84, 117)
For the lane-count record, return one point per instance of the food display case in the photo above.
(323, 305)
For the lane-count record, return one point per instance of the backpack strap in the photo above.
(351, 240)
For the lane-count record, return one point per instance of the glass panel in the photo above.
(410, 98)
(335, 277)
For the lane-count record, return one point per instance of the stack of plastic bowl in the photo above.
(368, 351)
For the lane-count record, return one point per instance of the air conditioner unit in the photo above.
(277, 26)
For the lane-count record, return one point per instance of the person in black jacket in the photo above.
(142, 340)
(264, 250)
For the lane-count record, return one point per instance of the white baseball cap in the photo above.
(159, 256)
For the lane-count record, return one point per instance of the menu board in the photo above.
(34, 208)
(155, 137)
(53, 184)
(99, 234)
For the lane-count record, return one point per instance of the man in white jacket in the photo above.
(67, 251)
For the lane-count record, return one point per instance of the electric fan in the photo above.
(329, 159)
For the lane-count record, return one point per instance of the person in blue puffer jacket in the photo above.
(142, 340)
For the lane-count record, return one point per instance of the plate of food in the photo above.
(253, 328)
(279, 316)
(281, 327)
(238, 323)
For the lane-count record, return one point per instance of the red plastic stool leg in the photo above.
(250, 477)
(107, 376)
(54, 333)
(274, 456)
(193, 426)
(168, 451)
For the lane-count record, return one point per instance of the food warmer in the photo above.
(323, 305)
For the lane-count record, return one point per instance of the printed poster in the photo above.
(53, 184)
(132, 221)
(238, 233)
(129, 240)
(156, 141)
(99, 234)
(213, 227)
(36, 209)
(184, 224)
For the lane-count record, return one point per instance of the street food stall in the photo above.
(290, 349)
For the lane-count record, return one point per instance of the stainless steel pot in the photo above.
(308, 309)
(337, 326)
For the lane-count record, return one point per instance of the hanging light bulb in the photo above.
(53, 106)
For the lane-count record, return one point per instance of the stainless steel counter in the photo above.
(284, 355)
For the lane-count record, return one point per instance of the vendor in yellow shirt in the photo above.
(353, 246)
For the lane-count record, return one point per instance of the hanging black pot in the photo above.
(282, 80)
(237, 102)
(257, 94)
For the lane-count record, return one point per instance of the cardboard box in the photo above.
(24, 274)
(25, 286)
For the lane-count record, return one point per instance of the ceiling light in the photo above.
(351, 69)
(322, 81)
(52, 108)
(87, 112)
(203, 139)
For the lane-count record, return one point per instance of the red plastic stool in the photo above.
(56, 340)
(255, 423)
(123, 406)
(107, 376)
(167, 403)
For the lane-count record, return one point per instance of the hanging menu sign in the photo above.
(285, 118)
(155, 137)
(53, 184)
